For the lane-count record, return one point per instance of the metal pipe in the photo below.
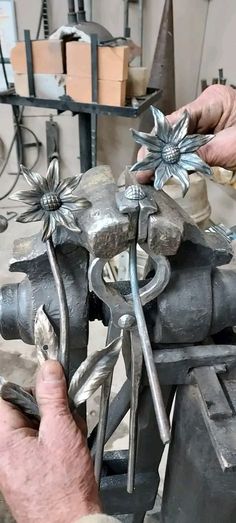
(158, 403)
(72, 17)
(71, 6)
(126, 19)
(81, 15)
(141, 29)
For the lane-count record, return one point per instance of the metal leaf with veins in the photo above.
(51, 200)
(45, 338)
(171, 151)
(93, 372)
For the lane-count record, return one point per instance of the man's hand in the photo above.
(46, 475)
(214, 111)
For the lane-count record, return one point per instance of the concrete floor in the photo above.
(18, 361)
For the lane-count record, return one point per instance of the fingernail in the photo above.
(52, 372)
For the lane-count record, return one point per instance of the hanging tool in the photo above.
(43, 19)
(127, 30)
(123, 316)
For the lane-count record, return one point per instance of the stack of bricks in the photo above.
(48, 65)
(112, 73)
(66, 68)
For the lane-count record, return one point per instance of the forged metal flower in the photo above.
(171, 151)
(51, 200)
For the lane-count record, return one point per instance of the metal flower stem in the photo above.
(63, 356)
(161, 416)
(103, 413)
(102, 425)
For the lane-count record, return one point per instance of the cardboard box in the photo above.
(48, 57)
(112, 61)
(47, 86)
(109, 92)
(137, 81)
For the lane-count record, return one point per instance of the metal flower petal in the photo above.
(149, 163)
(49, 227)
(69, 184)
(66, 219)
(27, 197)
(34, 215)
(181, 175)
(152, 142)
(53, 175)
(161, 124)
(180, 129)
(36, 181)
(162, 175)
(193, 162)
(194, 142)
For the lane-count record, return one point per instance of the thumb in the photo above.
(51, 391)
(221, 151)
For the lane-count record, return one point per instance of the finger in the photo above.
(11, 418)
(81, 423)
(221, 150)
(51, 394)
(211, 111)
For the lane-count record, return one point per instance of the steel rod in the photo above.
(136, 371)
(103, 412)
(102, 424)
(63, 308)
(158, 403)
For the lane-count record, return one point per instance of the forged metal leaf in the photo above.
(93, 372)
(21, 399)
(46, 342)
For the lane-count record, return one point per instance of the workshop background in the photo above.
(204, 38)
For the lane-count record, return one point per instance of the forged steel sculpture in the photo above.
(162, 324)
(171, 151)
